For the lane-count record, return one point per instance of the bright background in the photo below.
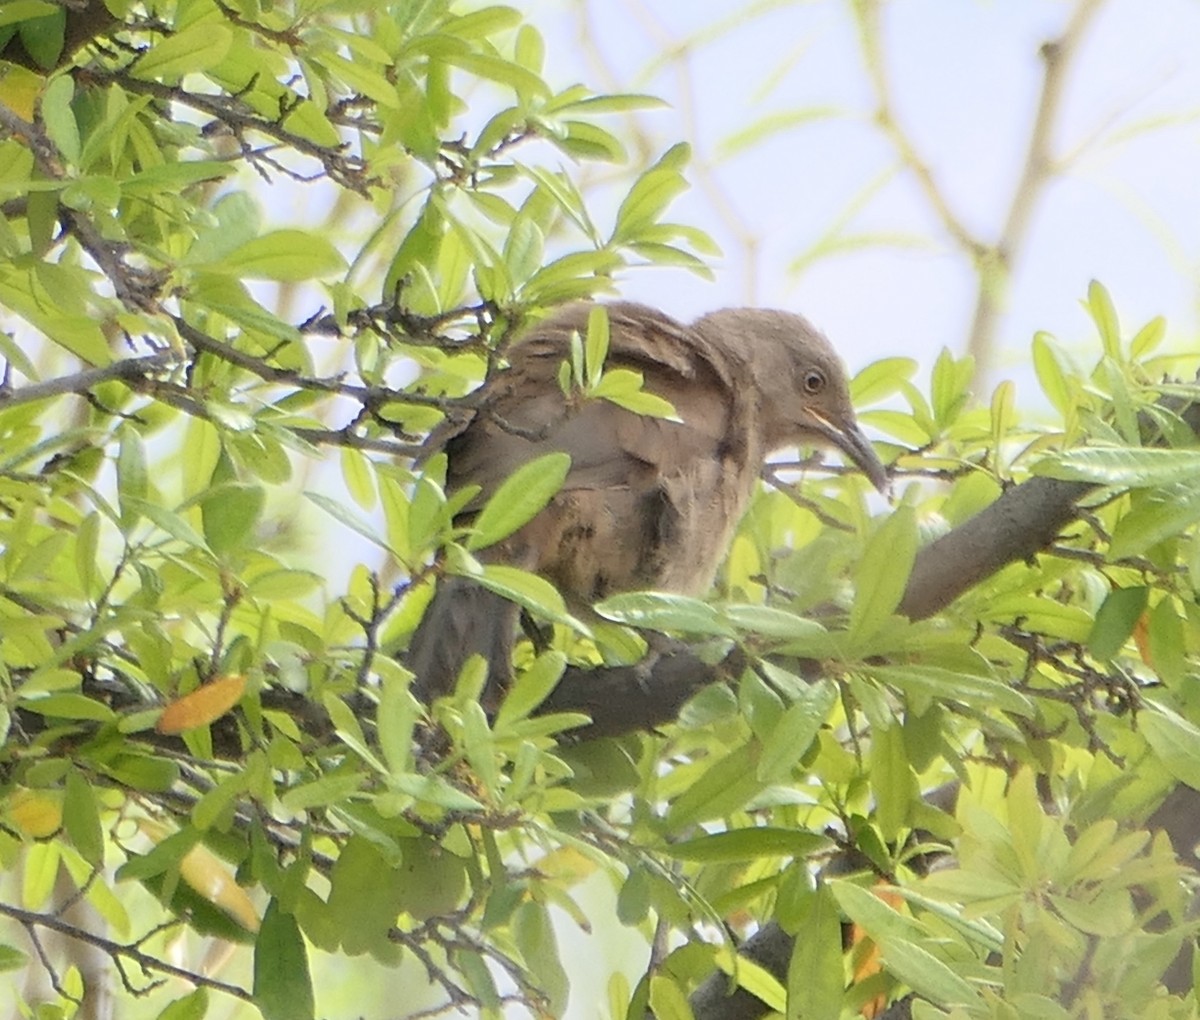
(965, 76)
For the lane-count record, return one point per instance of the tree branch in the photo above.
(118, 950)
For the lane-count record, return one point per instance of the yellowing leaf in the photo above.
(19, 90)
(202, 705)
(203, 871)
(36, 813)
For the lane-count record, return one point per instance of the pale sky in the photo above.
(966, 76)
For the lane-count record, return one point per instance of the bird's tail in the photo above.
(462, 620)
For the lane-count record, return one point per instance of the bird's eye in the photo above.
(814, 381)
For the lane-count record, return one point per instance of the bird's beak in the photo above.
(851, 441)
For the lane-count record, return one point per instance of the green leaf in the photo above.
(69, 706)
(748, 844)
(618, 102)
(1175, 742)
(1168, 647)
(482, 23)
(814, 977)
(1148, 338)
(535, 938)
(230, 515)
(15, 11)
(1100, 306)
(81, 817)
(282, 983)
(668, 1000)
(623, 387)
(174, 176)
(11, 352)
(79, 335)
(535, 593)
(880, 380)
(523, 249)
(525, 83)
(770, 126)
(435, 790)
(951, 685)
(926, 974)
(58, 117)
(195, 49)
(1154, 517)
(44, 37)
(882, 573)
(12, 959)
(892, 780)
(651, 193)
(285, 255)
(727, 785)
(1131, 466)
(949, 386)
(596, 346)
(796, 730)
(530, 49)
(531, 688)
(168, 521)
(773, 623)
(1051, 375)
(397, 717)
(521, 496)
(877, 918)
(87, 545)
(1115, 620)
(663, 611)
(346, 516)
(193, 1006)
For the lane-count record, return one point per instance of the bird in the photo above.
(648, 503)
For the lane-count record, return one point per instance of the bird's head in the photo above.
(804, 393)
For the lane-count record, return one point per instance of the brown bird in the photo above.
(647, 503)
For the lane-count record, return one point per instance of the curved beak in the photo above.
(850, 440)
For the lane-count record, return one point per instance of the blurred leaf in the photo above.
(880, 379)
(1115, 620)
(1154, 517)
(531, 687)
(882, 573)
(1175, 742)
(770, 126)
(282, 983)
(747, 844)
(651, 193)
(519, 498)
(193, 50)
(285, 255)
(1128, 466)
(662, 611)
(534, 593)
(792, 736)
(1104, 315)
(81, 817)
(949, 685)
(193, 1006)
(230, 514)
(814, 976)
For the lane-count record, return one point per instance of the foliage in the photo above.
(210, 737)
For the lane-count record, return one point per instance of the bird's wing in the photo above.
(525, 414)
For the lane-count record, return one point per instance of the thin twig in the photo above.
(119, 950)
